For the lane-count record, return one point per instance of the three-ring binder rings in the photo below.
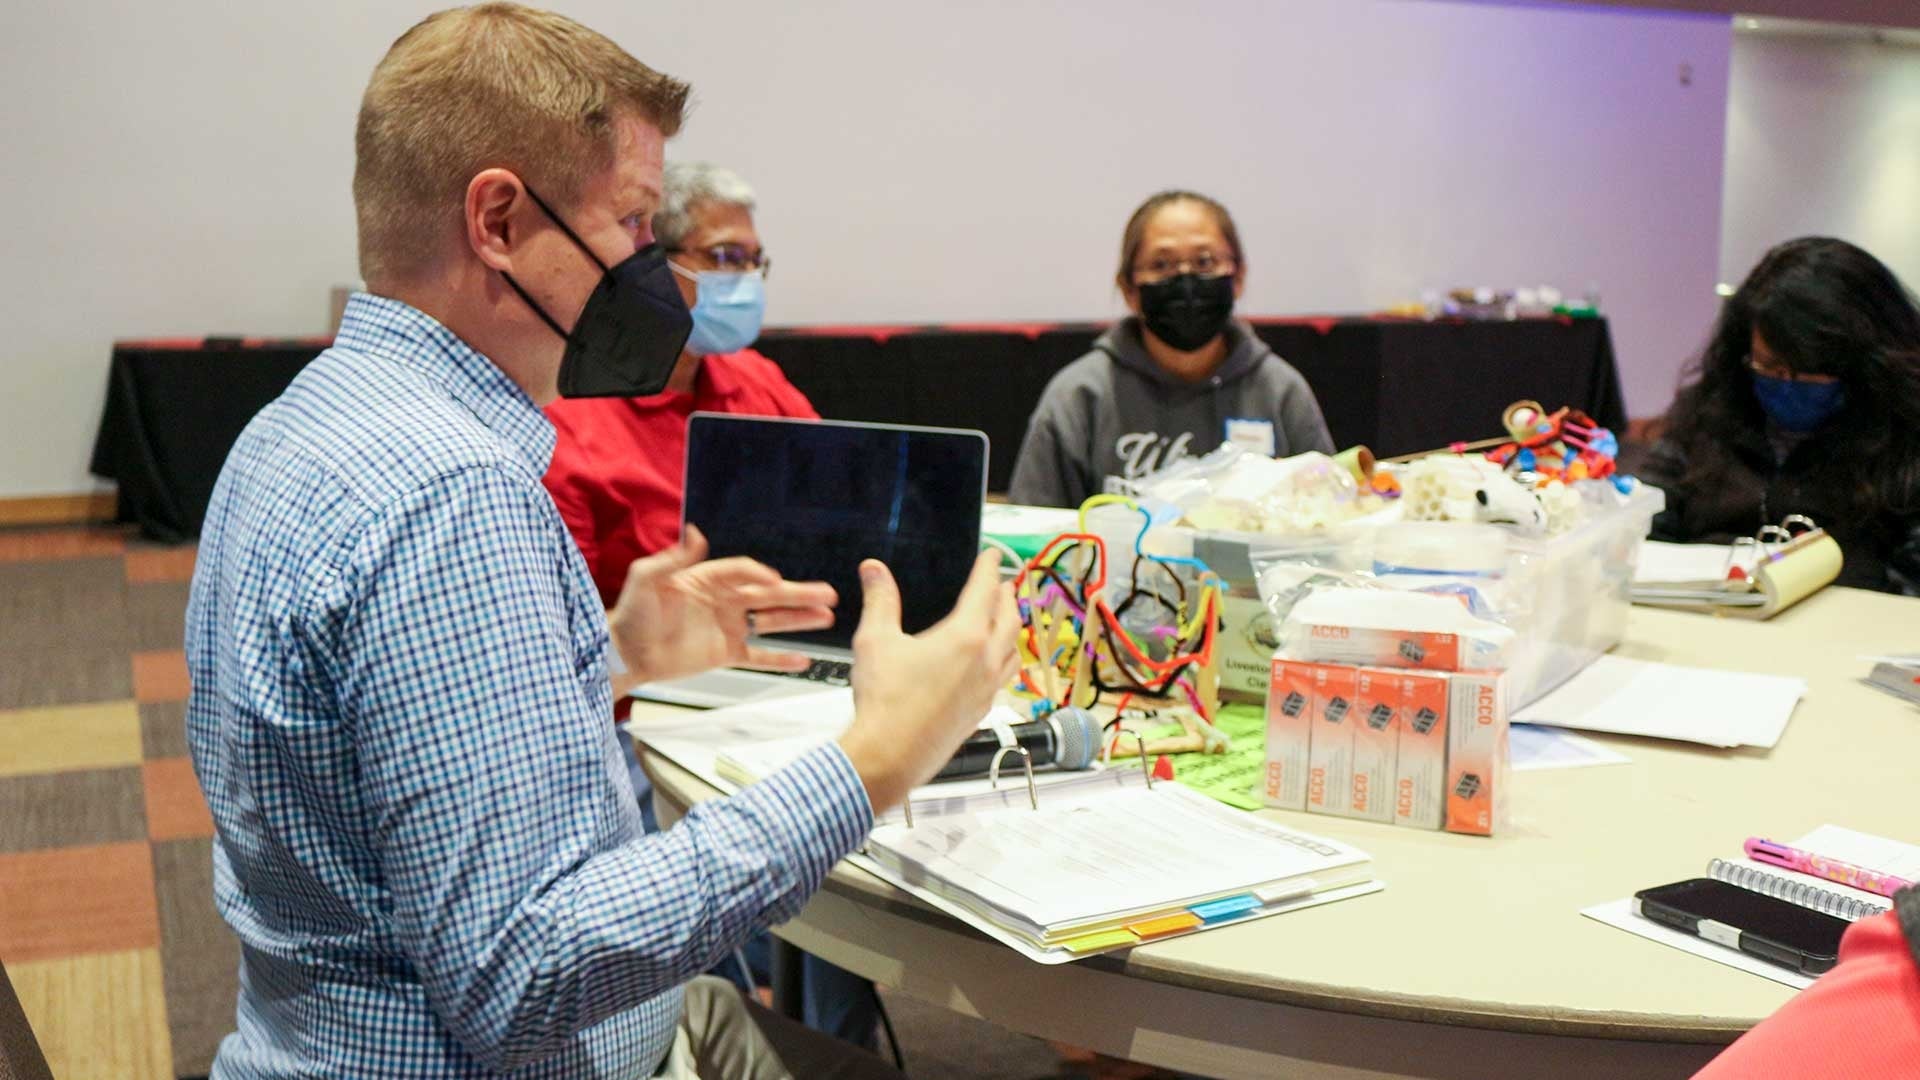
(1755, 577)
(1057, 866)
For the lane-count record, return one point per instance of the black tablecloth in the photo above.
(174, 409)
(1395, 386)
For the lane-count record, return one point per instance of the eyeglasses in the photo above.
(1162, 267)
(731, 258)
(1770, 368)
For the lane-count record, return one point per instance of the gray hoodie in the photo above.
(1114, 412)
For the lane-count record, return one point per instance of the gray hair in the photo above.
(686, 185)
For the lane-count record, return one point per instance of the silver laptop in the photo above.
(811, 498)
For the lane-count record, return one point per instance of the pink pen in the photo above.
(1806, 862)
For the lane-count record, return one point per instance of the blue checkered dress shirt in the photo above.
(427, 841)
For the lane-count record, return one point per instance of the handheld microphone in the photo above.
(1064, 738)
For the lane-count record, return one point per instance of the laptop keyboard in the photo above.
(822, 670)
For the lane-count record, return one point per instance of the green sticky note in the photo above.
(1231, 777)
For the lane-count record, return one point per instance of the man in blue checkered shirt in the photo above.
(402, 672)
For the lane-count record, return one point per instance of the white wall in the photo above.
(183, 168)
(1823, 137)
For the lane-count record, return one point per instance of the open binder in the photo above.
(1057, 866)
(1068, 871)
(1755, 577)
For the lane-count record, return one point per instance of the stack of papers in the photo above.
(1668, 701)
(1690, 574)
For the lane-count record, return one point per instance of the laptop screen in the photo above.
(811, 498)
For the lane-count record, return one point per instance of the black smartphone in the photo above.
(1780, 933)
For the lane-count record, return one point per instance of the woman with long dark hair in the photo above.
(1806, 401)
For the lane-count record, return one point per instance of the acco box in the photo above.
(1419, 704)
(1378, 712)
(1477, 754)
(1290, 712)
(1330, 755)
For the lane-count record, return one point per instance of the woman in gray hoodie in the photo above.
(1177, 378)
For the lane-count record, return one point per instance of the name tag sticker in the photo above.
(1254, 436)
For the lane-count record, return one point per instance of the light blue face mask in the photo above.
(727, 310)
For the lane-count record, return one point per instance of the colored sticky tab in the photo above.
(1230, 907)
(1106, 939)
(1148, 929)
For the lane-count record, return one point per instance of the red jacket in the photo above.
(618, 463)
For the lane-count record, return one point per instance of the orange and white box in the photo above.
(1376, 742)
(1330, 752)
(1477, 752)
(1290, 712)
(1364, 647)
(1420, 765)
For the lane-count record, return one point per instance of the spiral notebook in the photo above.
(1829, 897)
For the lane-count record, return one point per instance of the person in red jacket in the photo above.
(1860, 1019)
(616, 470)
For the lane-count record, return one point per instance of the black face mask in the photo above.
(630, 333)
(1187, 311)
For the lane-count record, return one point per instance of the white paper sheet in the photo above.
(1619, 914)
(1680, 564)
(1667, 701)
(1554, 748)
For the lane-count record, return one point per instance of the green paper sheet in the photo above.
(1230, 777)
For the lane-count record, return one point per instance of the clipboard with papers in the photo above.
(1754, 577)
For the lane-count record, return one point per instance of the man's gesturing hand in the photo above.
(915, 698)
(678, 615)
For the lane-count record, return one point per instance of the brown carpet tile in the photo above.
(200, 957)
(62, 604)
(156, 615)
(67, 809)
(63, 675)
(163, 729)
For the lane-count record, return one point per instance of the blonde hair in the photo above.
(496, 85)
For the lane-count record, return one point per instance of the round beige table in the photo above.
(1474, 961)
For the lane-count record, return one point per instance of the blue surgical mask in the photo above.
(1796, 405)
(727, 310)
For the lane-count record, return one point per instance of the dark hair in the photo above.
(1824, 307)
(1136, 231)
